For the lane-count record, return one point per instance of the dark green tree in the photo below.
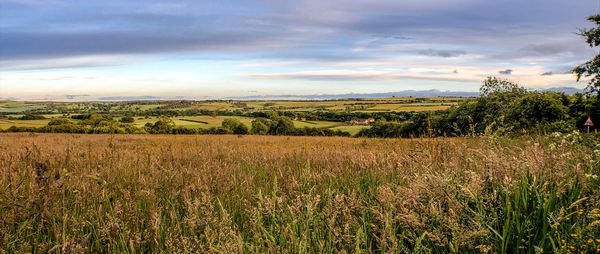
(260, 126)
(493, 86)
(59, 121)
(591, 68)
(235, 126)
(163, 125)
(127, 119)
(282, 125)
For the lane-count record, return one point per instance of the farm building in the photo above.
(361, 121)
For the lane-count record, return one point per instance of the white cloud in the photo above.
(66, 62)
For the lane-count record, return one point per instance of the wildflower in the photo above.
(590, 241)
(572, 247)
(573, 235)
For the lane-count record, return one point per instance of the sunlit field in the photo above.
(227, 193)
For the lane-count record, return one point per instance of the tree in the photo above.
(235, 126)
(127, 119)
(59, 121)
(493, 86)
(260, 126)
(163, 125)
(591, 68)
(282, 125)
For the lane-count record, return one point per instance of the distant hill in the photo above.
(566, 90)
(405, 93)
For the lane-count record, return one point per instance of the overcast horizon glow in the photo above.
(83, 50)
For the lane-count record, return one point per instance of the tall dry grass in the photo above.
(140, 193)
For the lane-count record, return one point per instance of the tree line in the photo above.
(503, 107)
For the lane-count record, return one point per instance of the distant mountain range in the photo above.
(405, 93)
(566, 90)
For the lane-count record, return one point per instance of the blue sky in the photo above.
(83, 50)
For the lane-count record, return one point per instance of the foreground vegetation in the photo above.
(165, 193)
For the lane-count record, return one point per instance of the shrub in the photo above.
(127, 119)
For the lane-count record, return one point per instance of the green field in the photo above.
(204, 109)
(382, 104)
(5, 124)
(193, 121)
(17, 106)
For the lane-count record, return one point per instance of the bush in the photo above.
(235, 126)
(59, 121)
(162, 126)
(282, 126)
(127, 119)
(27, 117)
(260, 126)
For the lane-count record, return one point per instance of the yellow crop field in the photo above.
(233, 194)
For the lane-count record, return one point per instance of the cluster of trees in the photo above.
(27, 116)
(503, 108)
(88, 123)
(282, 125)
(273, 125)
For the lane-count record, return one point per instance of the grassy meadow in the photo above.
(227, 194)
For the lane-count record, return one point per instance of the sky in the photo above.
(202, 49)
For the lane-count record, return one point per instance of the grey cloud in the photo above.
(547, 48)
(354, 77)
(139, 98)
(546, 74)
(28, 45)
(442, 53)
(506, 72)
(272, 28)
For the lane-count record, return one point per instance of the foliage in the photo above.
(235, 126)
(281, 125)
(127, 119)
(495, 87)
(260, 126)
(503, 108)
(591, 68)
(59, 121)
(162, 126)
(27, 116)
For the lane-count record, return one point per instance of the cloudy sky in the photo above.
(83, 49)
